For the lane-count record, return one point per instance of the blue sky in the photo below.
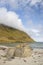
(29, 15)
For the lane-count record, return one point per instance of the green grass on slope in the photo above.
(8, 34)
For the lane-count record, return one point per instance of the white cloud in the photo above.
(14, 3)
(10, 18)
(18, 3)
(35, 30)
(33, 2)
(36, 34)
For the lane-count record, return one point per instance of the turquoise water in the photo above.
(33, 45)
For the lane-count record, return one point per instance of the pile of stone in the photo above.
(21, 50)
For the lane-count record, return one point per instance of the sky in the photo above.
(26, 15)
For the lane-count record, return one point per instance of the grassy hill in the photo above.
(8, 34)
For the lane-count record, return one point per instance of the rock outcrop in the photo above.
(23, 51)
(19, 51)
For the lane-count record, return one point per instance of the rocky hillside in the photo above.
(9, 34)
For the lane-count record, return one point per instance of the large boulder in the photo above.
(23, 51)
(10, 52)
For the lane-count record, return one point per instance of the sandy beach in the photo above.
(36, 58)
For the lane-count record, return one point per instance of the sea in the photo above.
(32, 45)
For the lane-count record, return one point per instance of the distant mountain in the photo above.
(9, 34)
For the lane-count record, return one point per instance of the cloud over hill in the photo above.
(10, 18)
